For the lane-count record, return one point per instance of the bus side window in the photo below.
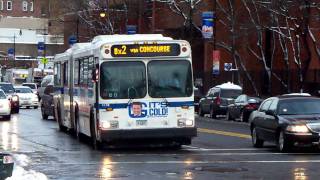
(90, 69)
(65, 74)
(85, 72)
(81, 72)
(57, 74)
(76, 72)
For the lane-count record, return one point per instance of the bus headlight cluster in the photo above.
(183, 122)
(109, 125)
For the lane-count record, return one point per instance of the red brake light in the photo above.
(217, 101)
(250, 106)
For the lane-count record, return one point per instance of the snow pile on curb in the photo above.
(19, 173)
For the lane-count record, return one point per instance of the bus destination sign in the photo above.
(145, 50)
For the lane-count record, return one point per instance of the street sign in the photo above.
(227, 66)
(131, 29)
(72, 40)
(44, 60)
(41, 47)
(10, 52)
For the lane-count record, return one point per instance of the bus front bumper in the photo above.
(168, 133)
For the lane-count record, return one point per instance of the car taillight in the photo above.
(250, 106)
(217, 101)
(7, 159)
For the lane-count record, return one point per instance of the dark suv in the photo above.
(47, 102)
(10, 92)
(218, 98)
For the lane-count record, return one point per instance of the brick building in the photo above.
(23, 24)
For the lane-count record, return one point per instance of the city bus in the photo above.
(126, 87)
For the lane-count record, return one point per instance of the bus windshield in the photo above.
(123, 80)
(170, 79)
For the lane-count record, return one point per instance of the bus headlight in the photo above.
(183, 122)
(105, 125)
(109, 125)
(189, 122)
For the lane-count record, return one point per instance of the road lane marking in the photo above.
(225, 133)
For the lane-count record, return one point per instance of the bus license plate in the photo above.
(141, 122)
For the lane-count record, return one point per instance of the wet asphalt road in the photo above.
(215, 154)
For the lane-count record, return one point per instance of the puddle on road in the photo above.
(220, 169)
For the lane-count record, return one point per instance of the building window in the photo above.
(9, 5)
(24, 6)
(1, 5)
(31, 6)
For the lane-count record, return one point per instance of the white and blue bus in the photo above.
(126, 87)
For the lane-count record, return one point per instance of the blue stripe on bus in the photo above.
(125, 105)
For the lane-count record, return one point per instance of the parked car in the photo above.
(218, 98)
(33, 86)
(289, 120)
(242, 107)
(47, 106)
(197, 97)
(11, 95)
(5, 106)
(6, 165)
(47, 80)
(27, 98)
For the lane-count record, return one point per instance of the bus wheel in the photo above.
(61, 127)
(77, 125)
(94, 141)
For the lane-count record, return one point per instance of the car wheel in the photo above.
(228, 117)
(256, 141)
(200, 111)
(8, 117)
(35, 107)
(28, 107)
(212, 114)
(283, 144)
(44, 116)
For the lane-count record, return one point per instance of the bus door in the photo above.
(65, 113)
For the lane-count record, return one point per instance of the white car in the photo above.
(26, 97)
(5, 106)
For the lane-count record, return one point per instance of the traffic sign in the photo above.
(72, 39)
(227, 66)
(10, 52)
(44, 60)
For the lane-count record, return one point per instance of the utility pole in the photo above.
(190, 21)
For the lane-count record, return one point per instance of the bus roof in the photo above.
(104, 39)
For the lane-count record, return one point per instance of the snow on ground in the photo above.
(20, 173)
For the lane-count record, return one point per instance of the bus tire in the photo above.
(61, 127)
(77, 128)
(94, 141)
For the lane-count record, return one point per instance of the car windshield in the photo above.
(23, 90)
(123, 80)
(299, 106)
(170, 79)
(32, 86)
(7, 88)
(2, 95)
(230, 93)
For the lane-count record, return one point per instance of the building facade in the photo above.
(25, 32)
